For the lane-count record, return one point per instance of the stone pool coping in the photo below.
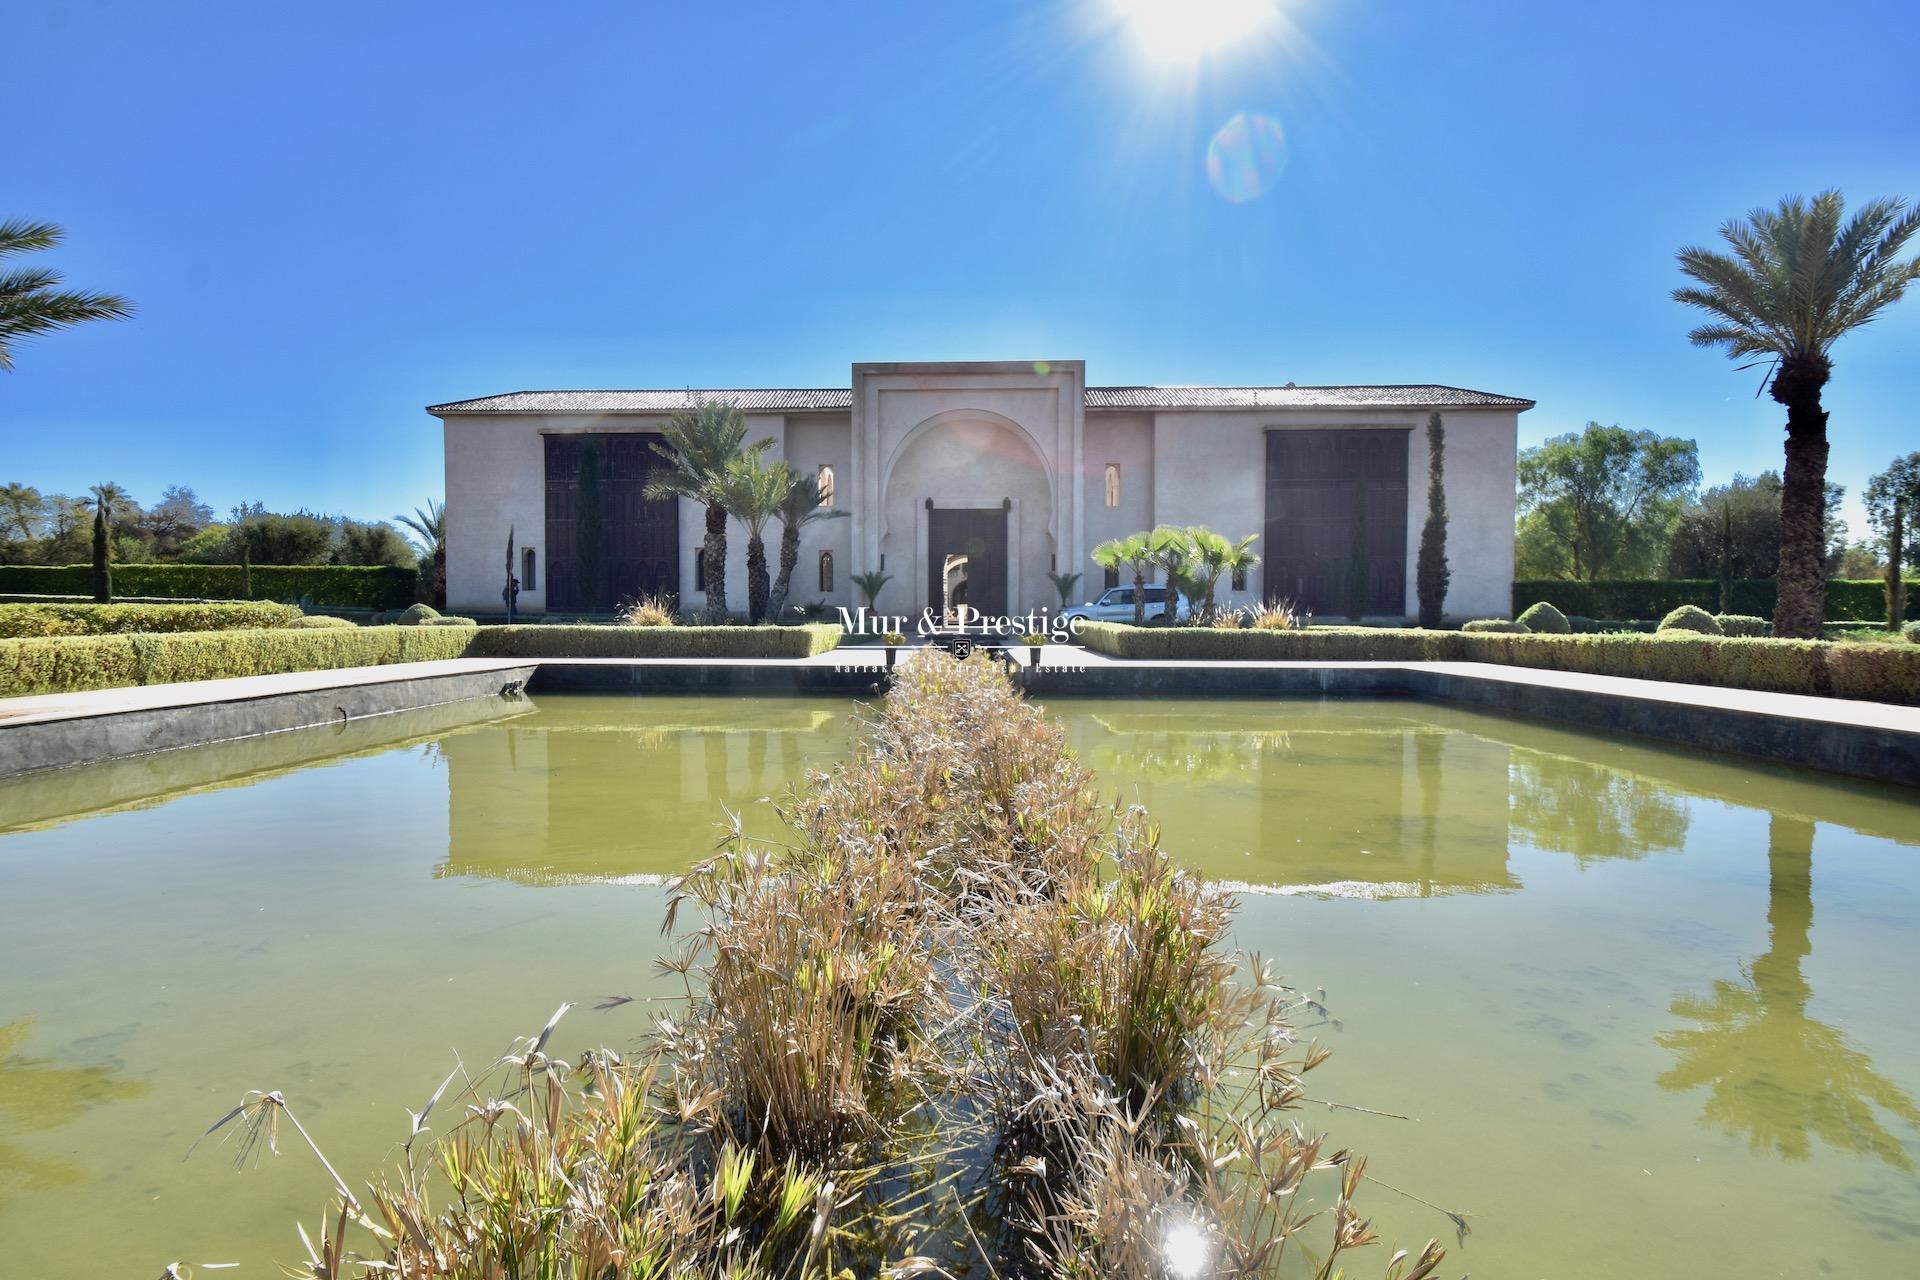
(1858, 739)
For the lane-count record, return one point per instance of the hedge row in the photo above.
(335, 586)
(547, 641)
(21, 620)
(62, 664)
(1848, 600)
(1879, 672)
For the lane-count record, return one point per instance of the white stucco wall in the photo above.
(812, 440)
(1126, 439)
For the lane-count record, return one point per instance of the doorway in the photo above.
(967, 561)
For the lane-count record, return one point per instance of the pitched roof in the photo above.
(840, 399)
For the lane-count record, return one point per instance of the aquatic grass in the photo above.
(966, 1018)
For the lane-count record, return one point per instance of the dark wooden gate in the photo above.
(981, 536)
(607, 543)
(1318, 483)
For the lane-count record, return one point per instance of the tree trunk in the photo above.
(1139, 596)
(756, 579)
(713, 552)
(789, 557)
(1802, 603)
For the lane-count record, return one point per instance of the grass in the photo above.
(965, 1018)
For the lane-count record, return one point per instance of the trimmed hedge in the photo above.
(61, 664)
(336, 586)
(1848, 600)
(18, 621)
(1545, 619)
(1879, 672)
(1507, 626)
(1692, 618)
(547, 641)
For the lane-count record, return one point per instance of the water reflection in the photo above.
(1592, 811)
(588, 791)
(37, 1095)
(1774, 1073)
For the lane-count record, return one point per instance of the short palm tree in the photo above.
(1135, 552)
(800, 509)
(1215, 555)
(698, 443)
(1799, 278)
(1170, 548)
(1064, 583)
(752, 492)
(870, 584)
(429, 527)
(30, 300)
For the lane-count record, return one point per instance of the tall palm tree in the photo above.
(1800, 277)
(429, 527)
(1135, 551)
(800, 508)
(30, 300)
(698, 443)
(752, 492)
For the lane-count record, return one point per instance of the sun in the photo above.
(1182, 32)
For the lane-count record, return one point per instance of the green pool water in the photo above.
(1649, 1012)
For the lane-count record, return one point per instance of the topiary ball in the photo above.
(415, 614)
(317, 622)
(1693, 618)
(1544, 619)
(1497, 626)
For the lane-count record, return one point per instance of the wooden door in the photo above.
(1332, 495)
(981, 536)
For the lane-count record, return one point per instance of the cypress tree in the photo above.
(1895, 587)
(588, 529)
(1432, 574)
(102, 555)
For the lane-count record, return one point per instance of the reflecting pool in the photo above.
(1645, 1009)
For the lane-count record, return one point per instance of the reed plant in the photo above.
(965, 1019)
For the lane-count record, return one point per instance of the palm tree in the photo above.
(800, 509)
(1136, 552)
(753, 492)
(1170, 548)
(1064, 583)
(429, 527)
(1800, 277)
(698, 443)
(30, 302)
(870, 583)
(1214, 555)
(108, 500)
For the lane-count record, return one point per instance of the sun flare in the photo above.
(1182, 32)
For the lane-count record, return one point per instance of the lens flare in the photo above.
(1181, 32)
(1246, 158)
(1185, 1249)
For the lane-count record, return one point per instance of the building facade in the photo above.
(973, 482)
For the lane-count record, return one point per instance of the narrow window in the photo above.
(826, 570)
(529, 571)
(1113, 484)
(1113, 576)
(699, 569)
(1239, 579)
(826, 484)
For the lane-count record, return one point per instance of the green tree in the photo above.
(1893, 509)
(752, 491)
(174, 519)
(373, 543)
(21, 510)
(1431, 575)
(107, 500)
(1135, 552)
(297, 538)
(1601, 503)
(1739, 522)
(1064, 584)
(698, 444)
(1169, 549)
(1214, 555)
(870, 584)
(1800, 277)
(31, 301)
(429, 528)
(801, 507)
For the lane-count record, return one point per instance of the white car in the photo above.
(1116, 605)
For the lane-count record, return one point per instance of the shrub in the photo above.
(648, 611)
(1913, 632)
(1848, 600)
(1691, 618)
(318, 622)
(21, 620)
(1502, 625)
(329, 586)
(1581, 625)
(1545, 620)
(547, 641)
(1279, 615)
(67, 663)
(1741, 624)
(448, 620)
(415, 614)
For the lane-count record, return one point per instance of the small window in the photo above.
(1113, 575)
(1239, 579)
(1113, 484)
(826, 570)
(700, 569)
(529, 570)
(825, 480)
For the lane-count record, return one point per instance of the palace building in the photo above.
(972, 482)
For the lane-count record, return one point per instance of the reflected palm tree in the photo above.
(1592, 811)
(1772, 1072)
(36, 1095)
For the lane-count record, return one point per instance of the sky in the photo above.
(331, 215)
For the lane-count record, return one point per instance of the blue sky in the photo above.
(331, 215)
